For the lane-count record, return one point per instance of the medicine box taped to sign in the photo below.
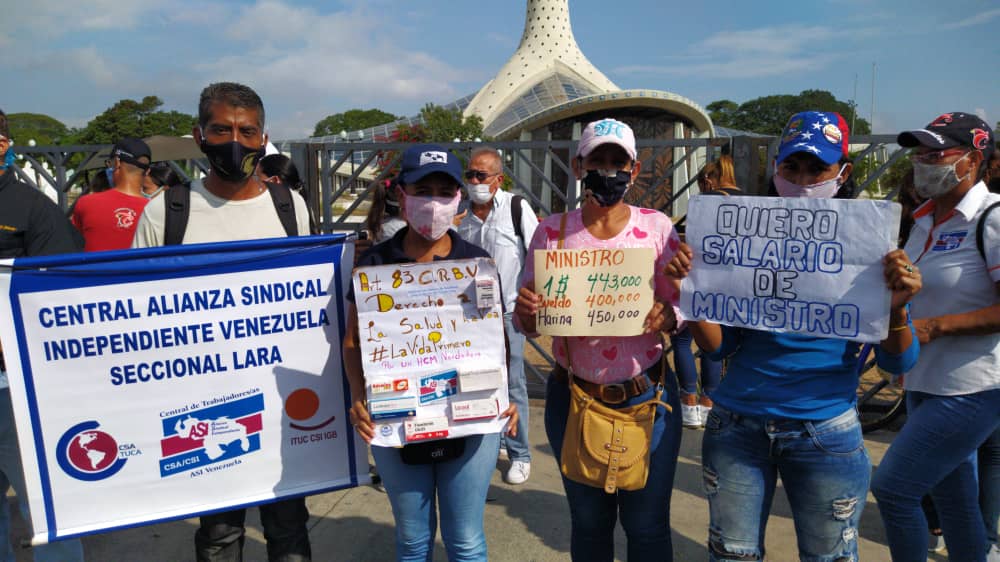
(432, 349)
(594, 291)
(806, 266)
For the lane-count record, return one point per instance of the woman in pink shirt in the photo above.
(606, 163)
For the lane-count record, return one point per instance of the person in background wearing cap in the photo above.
(233, 204)
(108, 219)
(787, 404)
(607, 165)
(455, 472)
(953, 392)
(490, 224)
(30, 225)
(160, 178)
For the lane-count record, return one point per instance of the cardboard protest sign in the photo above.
(806, 266)
(432, 349)
(163, 383)
(594, 292)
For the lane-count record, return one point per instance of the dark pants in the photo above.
(220, 536)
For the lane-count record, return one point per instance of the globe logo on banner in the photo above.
(88, 454)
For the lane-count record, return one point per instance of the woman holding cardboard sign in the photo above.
(787, 405)
(450, 475)
(617, 382)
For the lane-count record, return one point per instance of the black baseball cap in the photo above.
(950, 130)
(130, 150)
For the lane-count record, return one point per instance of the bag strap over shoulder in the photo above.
(177, 207)
(980, 226)
(515, 217)
(284, 206)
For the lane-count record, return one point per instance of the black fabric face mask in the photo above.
(232, 161)
(607, 190)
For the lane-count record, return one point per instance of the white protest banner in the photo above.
(800, 265)
(594, 291)
(158, 384)
(432, 349)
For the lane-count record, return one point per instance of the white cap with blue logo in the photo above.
(606, 131)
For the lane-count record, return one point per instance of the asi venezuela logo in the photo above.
(201, 437)
(86, 453)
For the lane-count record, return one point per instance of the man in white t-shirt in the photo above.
(490, 225)
(233, 204)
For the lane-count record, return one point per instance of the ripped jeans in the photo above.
(824, 468)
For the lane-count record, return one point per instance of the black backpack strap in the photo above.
(285, 207)
(980, 226)
(515, 216)
(177, 207)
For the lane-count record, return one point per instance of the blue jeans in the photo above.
(687, 373)
(460, 486)
(989, 486)
(934, 453)
(518, 448)
(823, 466)
(645, 513)
(12, 475)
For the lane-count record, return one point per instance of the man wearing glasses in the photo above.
(108, 219)
(503, 225)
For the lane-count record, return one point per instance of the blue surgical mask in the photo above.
(110, 172)
(8, 160)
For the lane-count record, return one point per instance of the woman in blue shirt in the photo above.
(787, 405)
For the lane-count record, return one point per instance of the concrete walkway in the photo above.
(523, 523)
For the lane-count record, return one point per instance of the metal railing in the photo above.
(340, 177)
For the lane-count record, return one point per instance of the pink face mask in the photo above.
(821, 190)
(431, 217)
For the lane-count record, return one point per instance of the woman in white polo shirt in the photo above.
(953, 392)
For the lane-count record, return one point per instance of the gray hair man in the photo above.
(503, 225)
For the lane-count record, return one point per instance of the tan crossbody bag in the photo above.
(606, 447)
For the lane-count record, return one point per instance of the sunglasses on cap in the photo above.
(937, 156)
(479, 175)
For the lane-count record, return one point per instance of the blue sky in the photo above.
(311, 59)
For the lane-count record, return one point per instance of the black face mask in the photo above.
(232, 161)
(607, 190)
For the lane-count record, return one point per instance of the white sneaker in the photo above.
(691, 416)
(703, 413)
(518, 472)
(994, 554)
(935, 543)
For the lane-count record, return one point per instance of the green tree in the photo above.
(43, 129)
(722, 111)
(442, 124)
(130, 118)
(768, 115)
(352, 120)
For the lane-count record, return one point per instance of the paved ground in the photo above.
(528, 522)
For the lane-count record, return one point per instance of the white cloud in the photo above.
(57, 17)
(978, 19)
(756, 53)
(83, 63)
(313, 59)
